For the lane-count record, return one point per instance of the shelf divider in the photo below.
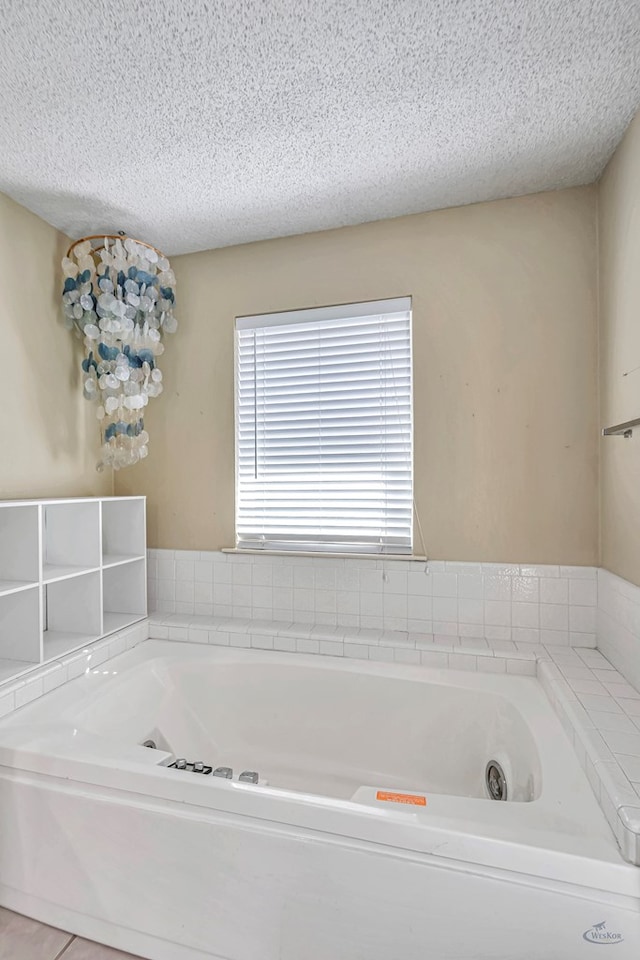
(117, 560)
(15, 586)
(53, 572)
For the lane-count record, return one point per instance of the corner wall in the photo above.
(45, 424)
(619, 248)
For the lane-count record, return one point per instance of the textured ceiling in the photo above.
(201, 123)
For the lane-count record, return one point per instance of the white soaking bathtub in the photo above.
(370, 834)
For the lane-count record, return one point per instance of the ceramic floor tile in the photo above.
(86, 950)
(25, 939)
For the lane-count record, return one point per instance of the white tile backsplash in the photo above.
(491, 601)
(525, 614)
(554, 590)
(497, 613)
(618, 624)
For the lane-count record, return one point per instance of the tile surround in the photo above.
(604, 727)
(360, 643)
(522, 603)
(618, 624)
(17, 693)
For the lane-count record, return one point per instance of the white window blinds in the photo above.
(323, 429)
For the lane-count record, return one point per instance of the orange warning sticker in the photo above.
(412, 798)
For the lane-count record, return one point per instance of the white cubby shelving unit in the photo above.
(71, 571)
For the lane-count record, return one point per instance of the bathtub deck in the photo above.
(24, 939)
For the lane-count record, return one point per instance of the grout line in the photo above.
(66, 947)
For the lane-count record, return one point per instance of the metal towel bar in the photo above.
(621, 429)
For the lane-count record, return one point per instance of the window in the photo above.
(323, 429)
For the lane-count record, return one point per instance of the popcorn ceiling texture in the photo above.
(203, 123)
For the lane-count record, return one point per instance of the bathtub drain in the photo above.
(496, 781)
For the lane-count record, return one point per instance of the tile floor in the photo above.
(25, 939)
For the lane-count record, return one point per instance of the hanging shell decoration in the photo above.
(119, 297)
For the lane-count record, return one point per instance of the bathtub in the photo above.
(369, 835)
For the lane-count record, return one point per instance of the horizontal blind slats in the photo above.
(323, 413)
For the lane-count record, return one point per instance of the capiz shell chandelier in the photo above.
(119, 297)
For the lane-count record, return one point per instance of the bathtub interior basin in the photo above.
(322, 731)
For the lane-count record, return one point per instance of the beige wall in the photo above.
(619, 234)
(504, 301)
(45, 425)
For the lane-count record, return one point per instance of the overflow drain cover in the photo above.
(496, 781)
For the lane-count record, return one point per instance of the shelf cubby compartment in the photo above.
(19, 631)
(72, 614)
(123, 531)
(19, 547)
(124, 595)
(71, 572)
(71, 539)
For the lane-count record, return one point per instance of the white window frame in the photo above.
(334, 312)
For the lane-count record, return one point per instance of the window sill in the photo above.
(324, 555)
